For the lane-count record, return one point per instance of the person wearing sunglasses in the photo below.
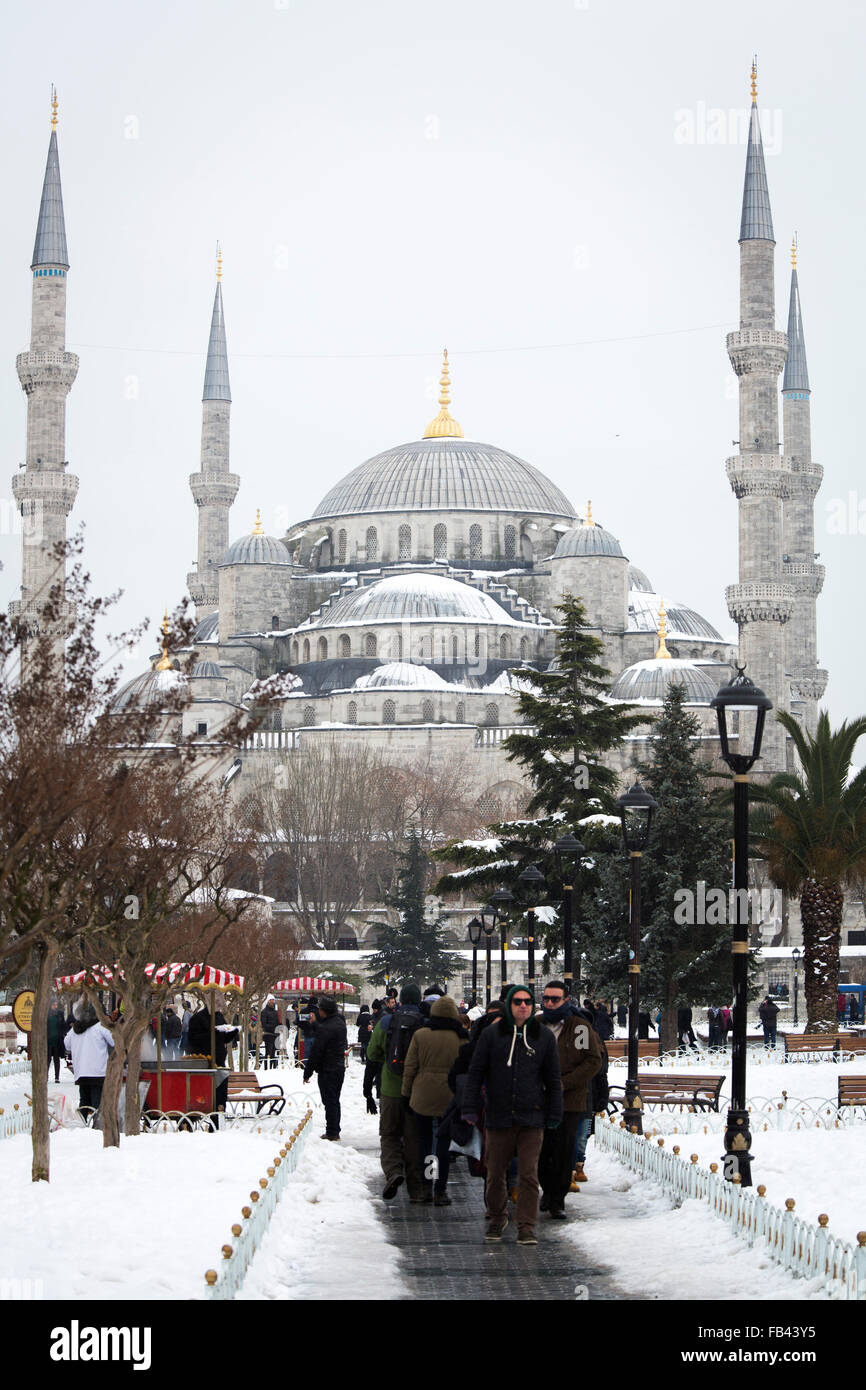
(517, 1065)
(579, 1051)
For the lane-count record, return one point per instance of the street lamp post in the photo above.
(743, 698)
(488, 922)
(568, 851)
(532, 881)
(500, 902)
(795, 956)
(474, 928)
(636, 809)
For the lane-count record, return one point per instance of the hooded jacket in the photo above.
(432, 1053)
(519, 1070)
(328, 1052)
(89, 1043)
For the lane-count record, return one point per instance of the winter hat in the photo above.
(327, 1006)
(410, 994)
(445, 1008)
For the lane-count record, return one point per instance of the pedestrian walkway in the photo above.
(443, 1253)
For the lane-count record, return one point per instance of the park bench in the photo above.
(698, 1092)
(618, 1047)
(852, 1091)
(245, 1090)
(810, 1042)
(852, 1042)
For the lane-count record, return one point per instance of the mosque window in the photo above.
(370, 644)
(460, 712)
(275, 623)
(389, 712)
(475, 542)
(454, 649)
(306, 648)
(524, 649)
(427, 711)
(440, 542)
(398, 646)
(201, 730)
(510, 542)
(477, 644)
(352, 713)
(295, 650)
(345, 647)
(405, 542)
(322, 652)
(491, 714)
(503, 646)
(341, 547)
(309, 716)
(372, 543)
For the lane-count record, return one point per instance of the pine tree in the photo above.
(413, 948)
(682, 962)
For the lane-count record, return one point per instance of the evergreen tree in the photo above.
(413, 948)
(682, 961)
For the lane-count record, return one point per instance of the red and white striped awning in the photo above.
(197, 976)
(98, 977)
(305, 984)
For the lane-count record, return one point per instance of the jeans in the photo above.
(581, 1138)
(433, 1148)
(330, 1086)
(769, 1035)
(55, 1055)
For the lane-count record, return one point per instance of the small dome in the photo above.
(208, 629)
(151, 688)
(646, 682)
(257, 549)
(638, 580)
(206, 669)
(411, 597)
(682, 623)
(587, 539)
(401, 673)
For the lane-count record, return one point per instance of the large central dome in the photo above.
(445, 475)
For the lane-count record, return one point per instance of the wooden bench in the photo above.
(852, 1042)
(698, 1092)
(826, 1043)
(852, 1091)
(245, 1089)
(618, 1047)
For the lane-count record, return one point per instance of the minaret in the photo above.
(43, 490)
(213, 488)
(805, 577)
(762, 602)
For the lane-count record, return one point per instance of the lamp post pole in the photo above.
(795, 955)
(636, 812)
(744, 698)
(474, 929)
(568, 850)
(487, 919)
(500, 902)
(531, 880)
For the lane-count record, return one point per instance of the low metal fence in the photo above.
(226, 1282)
(17, 1119)
(781, 1112)
(12, 1064)
(805, 1250)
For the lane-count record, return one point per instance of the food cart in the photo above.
(305, 984)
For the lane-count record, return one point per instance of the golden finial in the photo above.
(444, 427)
(663, 627)
(794, 251)
(258, 529)
(219, 262)
(755, 79)
(589, 521)
(164, 663)
(53, 107)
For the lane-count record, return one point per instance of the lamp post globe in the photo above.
(568, 850)
(474, 931)
(636, 809)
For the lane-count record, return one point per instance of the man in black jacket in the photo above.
(327, 1056)
(270, 1021)
(517, 1063)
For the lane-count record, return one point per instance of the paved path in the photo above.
(443, 1253)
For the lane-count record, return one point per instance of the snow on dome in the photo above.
(414, 597)
(638, 580)
(401, 673)
(587, 539)
(508, 683)
(682, 622)
(648, 681)
(205, 669)
(256, 549)
(149, 689)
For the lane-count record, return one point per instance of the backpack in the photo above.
(403, 1026)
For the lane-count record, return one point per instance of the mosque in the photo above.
(428, 576)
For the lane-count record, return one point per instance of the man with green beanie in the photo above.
(517, 1064)
(398, 1138)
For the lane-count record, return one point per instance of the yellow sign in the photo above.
(22, 1010)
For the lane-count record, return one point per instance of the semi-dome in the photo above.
(411, 597)
(154, 687)
(257, 549)
(405, 674)
(644, 609)
(448, 474)
(638, 580)
(587, 539)
(208, 629)
(647, 682)
(206, 669)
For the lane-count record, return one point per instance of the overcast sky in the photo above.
(552, 191)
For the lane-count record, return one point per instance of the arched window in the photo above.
(345, 647)
(427, 711)
(372, 551)
(424, 648)
(341, 547)
(295, 650)
(503, 646)
(278, 881)
(277, 720)
(491, 714)
(370, 644)
(397, 647)
(275, 623)
(510, 542)
(309, 716)
(389, 712)
(454, 650)
(404, 537)
(241, 873)
(475, 542)
(322, 651)
(352, 713)
(306, 648)
(524, 649)
(460, 712)
(476, 647)
(440, 542)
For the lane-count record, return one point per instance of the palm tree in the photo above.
(811, 829)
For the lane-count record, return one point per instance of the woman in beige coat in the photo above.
(432, 1053)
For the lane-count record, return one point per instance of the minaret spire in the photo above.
(443, 426)
(43, 490)
(756, 219)
(214, 488)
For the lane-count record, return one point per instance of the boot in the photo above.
(579, 1174)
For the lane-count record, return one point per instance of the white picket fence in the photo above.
(805, 1250)
(17, 1119)
(14, 1064)
(225, 1283)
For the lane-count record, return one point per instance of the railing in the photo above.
(805, 1250)
(782, 1112)
(271, 738)
(490, 735)
(13, 1065)
(18, 1120)
(226, 1282)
